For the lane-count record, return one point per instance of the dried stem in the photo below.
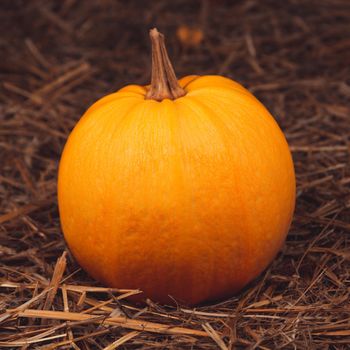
(164, 83)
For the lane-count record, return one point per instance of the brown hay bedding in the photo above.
(59, 57)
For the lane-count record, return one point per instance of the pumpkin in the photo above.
(189, 36)
(184, 188)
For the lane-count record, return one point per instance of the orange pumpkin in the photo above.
(182, 188)
(188, 36)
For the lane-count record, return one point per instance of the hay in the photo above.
(57, 58)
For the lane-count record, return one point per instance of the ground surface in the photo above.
(58, 57)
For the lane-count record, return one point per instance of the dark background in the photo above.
(58, 57)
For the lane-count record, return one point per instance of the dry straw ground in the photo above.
(58, 57)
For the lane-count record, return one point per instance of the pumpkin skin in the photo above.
(191, 197)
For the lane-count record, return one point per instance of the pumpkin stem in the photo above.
(164, 83)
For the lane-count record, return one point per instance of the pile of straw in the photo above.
(57, 58)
